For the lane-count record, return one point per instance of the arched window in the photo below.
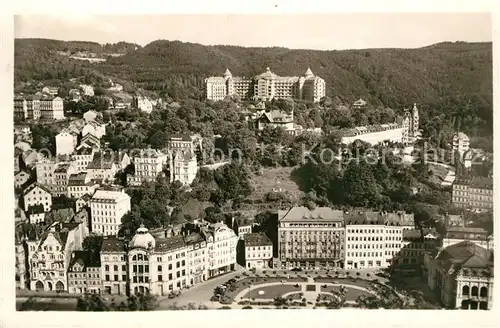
(139, 257)
(106, 267)
(134, 258)
(474, 291)
(146, 258)
(484, 292)
(465, 290)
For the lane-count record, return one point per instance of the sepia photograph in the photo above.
(250, 161)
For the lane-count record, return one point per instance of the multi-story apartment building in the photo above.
(36, 214)
(66, 142)
(461, 143)
(415, 244)
(82, 202)
(95, 129)
(181, 141)
(114, 271)
(21, 273)
(266, 86)
(258, 251)
(148, 164)
(36, 194)
(45, 169)
(33, 105)
(183, 166)
(20, 109)
(243, 226)
(52, 108)
(80, 184)
(221, 246)
(197, 257)
(84, 273)
(374, 134)
(461, 275)
(478, 236)
(473, 193)
(411, 125)
(102, 167)
(50, 254)
(61, 177)
(107, 209)
(82, 158)
(374, 239)
(311, 238)
(89, 141)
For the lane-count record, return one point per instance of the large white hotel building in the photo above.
(266, 86)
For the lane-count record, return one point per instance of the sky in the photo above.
(306, 31)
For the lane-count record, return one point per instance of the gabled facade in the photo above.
(35, 195)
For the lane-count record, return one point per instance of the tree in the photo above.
(92, 243)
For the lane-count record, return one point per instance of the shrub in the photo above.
(225, 308)
(248, 307)
(274, 272)
(367, 274)
(358, 274)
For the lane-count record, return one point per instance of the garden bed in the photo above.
(271, 292)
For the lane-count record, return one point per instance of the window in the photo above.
(160, 277)
(107, 277)
(124, 277)
(159, 268)
(124, 268)
(115, 267)
(170, 266)
(134, 268)
(169, 276)
(106, 267)
(178, 274)
(146, 268)
(116, 277)
(134, 279)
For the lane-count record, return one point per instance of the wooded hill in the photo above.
(447, 80)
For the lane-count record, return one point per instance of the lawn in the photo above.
(275, 179)
(253, 281)
(271, 292)
(351, 281)
(351, 294)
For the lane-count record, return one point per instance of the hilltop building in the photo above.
(266, 86)
(473, 193)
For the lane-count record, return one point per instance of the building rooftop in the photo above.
(35, 209)
(467, 233)
(379, 218)
(257, 239)
(113, 245)
(109, 196)
(170, 243)
(85, 259)
(101, 161)
(468, 257)
(180, 137)
(475, 182)
(303, 214)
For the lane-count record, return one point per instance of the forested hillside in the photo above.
(449, 81)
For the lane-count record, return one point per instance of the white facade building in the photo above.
(36, 194)
(49, 255)
(374, 134)
(183, 167)
(143, 103)
(107, 209)
(374, 239)
(148, 164)
(258, 251)
(221, 245)
(461, 143)
(65, 142)
(94, 128)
